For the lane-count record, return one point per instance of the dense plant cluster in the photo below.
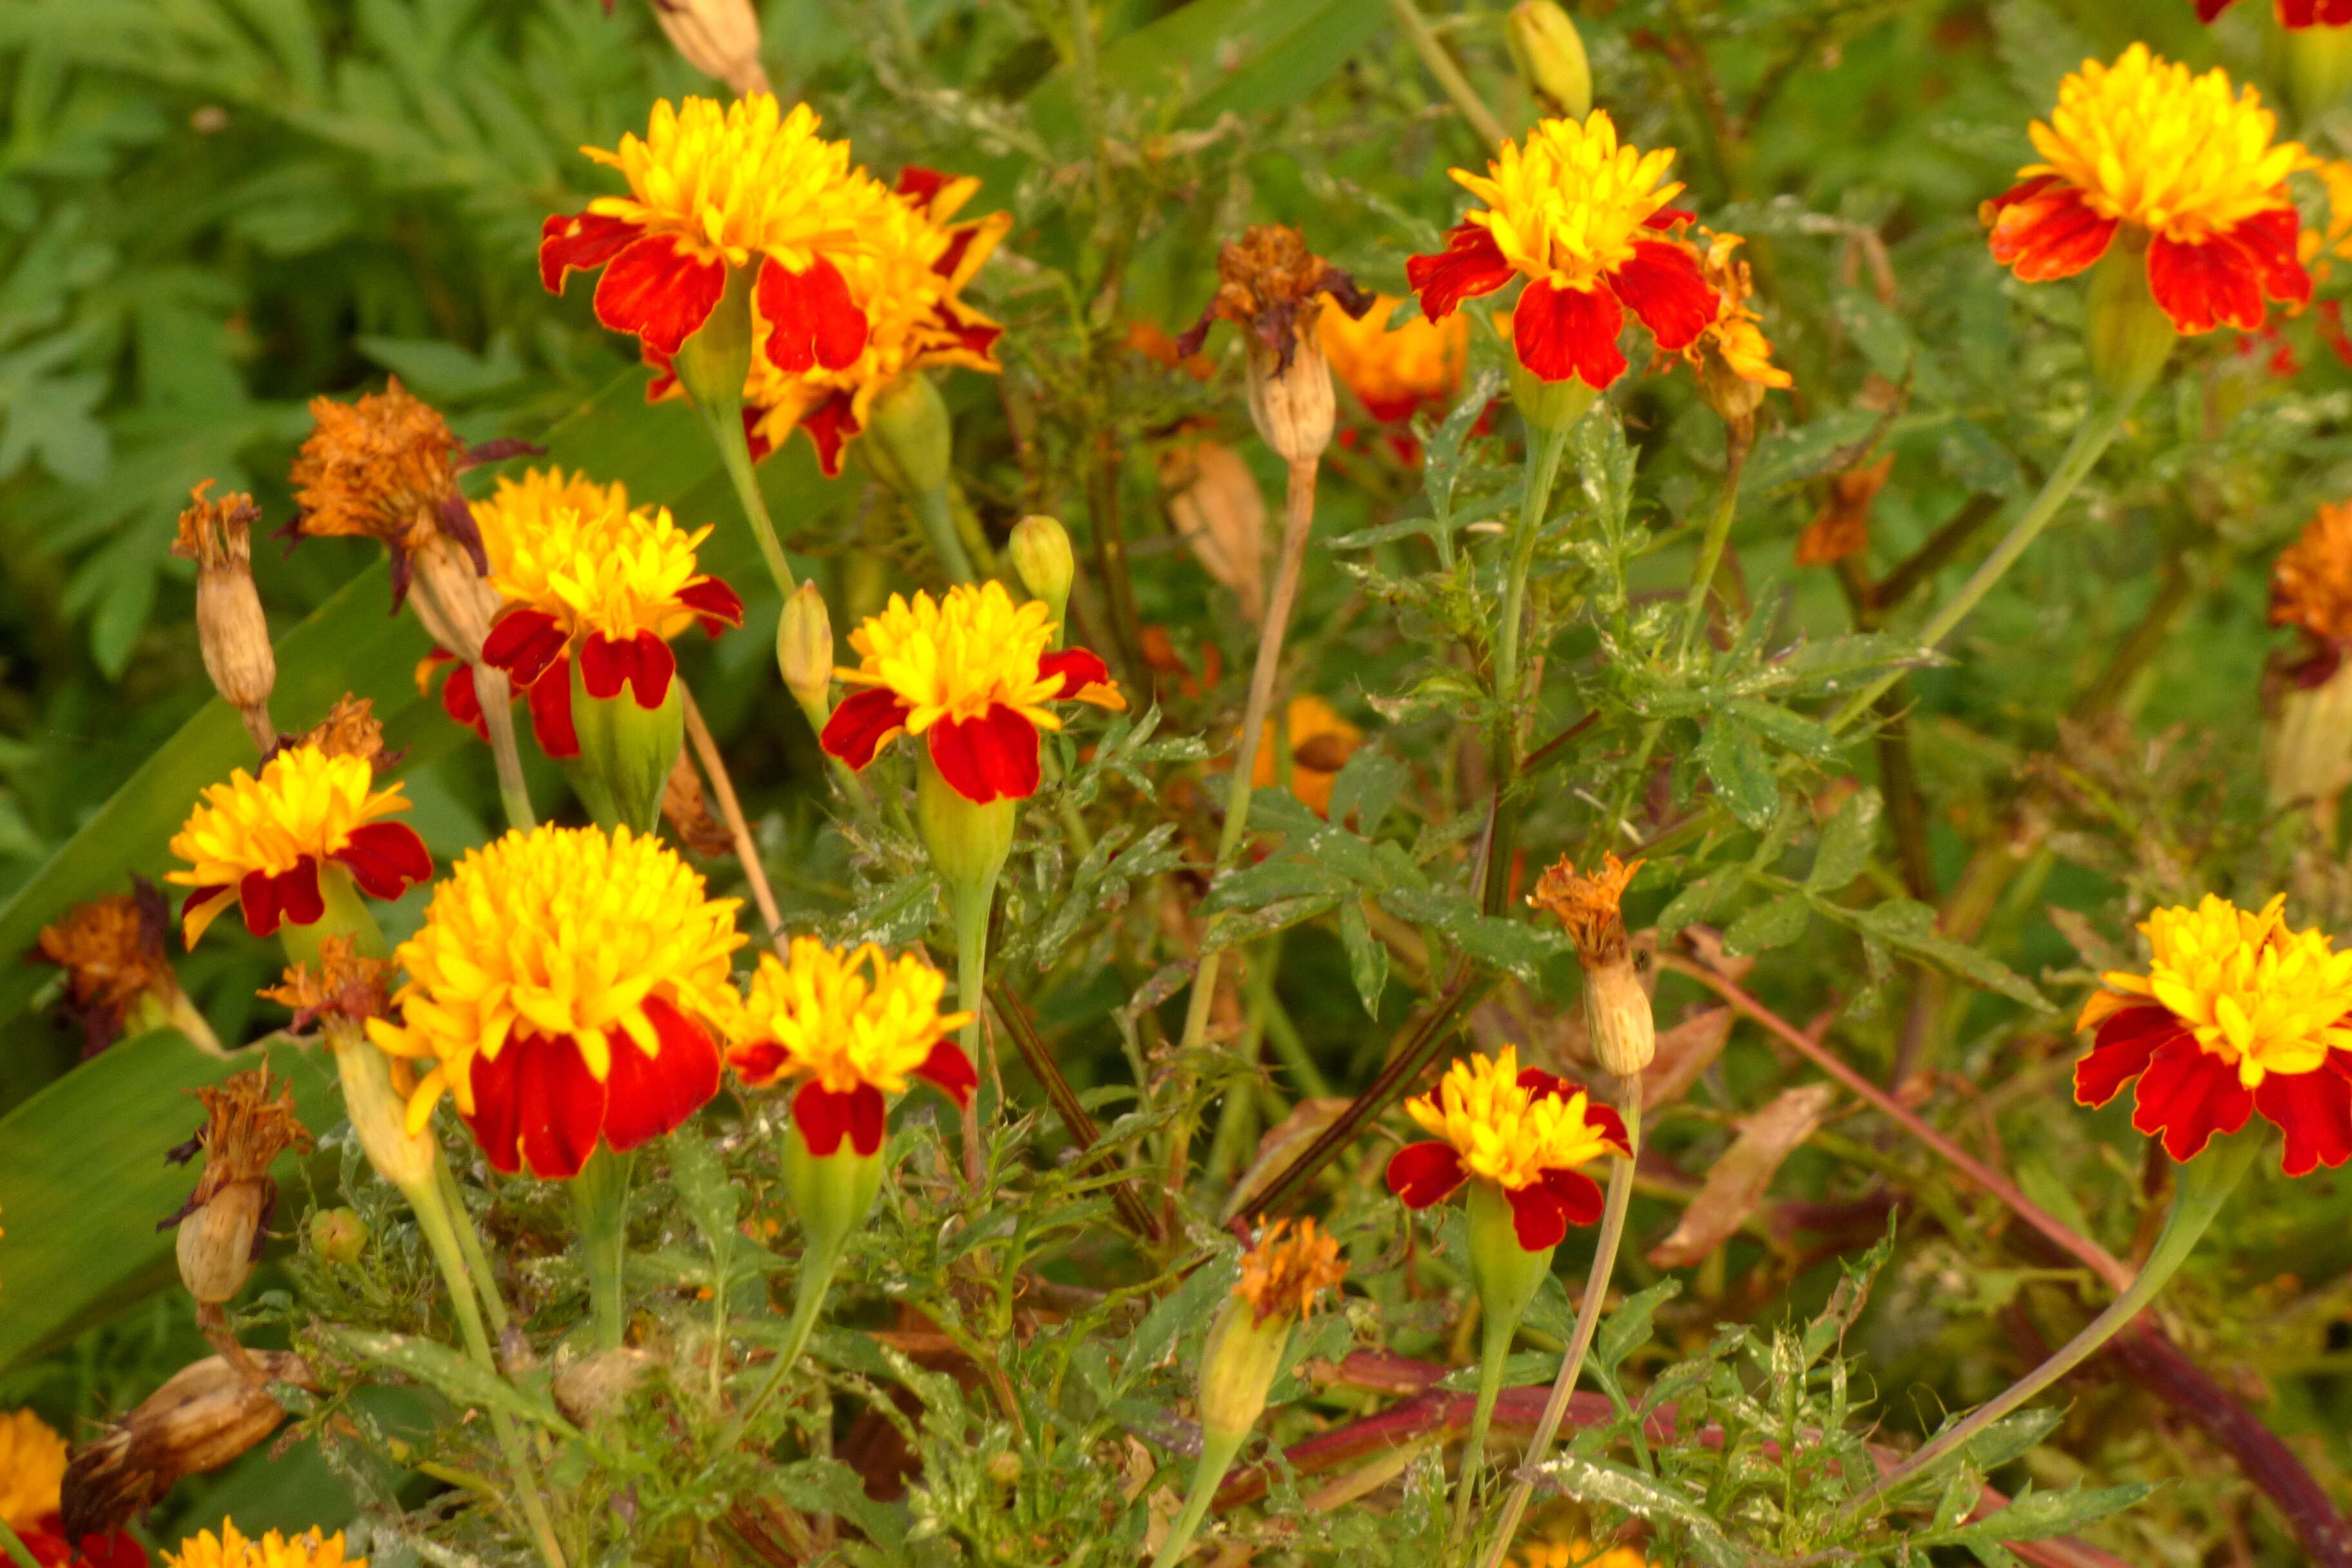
(1180, 781)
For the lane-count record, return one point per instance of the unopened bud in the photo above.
(339, 1236)
(234, 632)
(220, 1243)
(1292, 406)
(1617, 1015)
(718, 38)
(2319, 64)
(1041, 554)
(804, 651)
(2126, 332)
(377, 1108)
(1004, 1469)
(207, 1415)
(909, 439)
(1551, 56)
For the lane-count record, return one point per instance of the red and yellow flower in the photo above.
(1522, 1131)
(32, 1483)
(973, 673)
(906, 276)
(587, 578)
(713, 188)
(2293, 15)
(263, 841)
(569, 987)
(854, 1025)
(2235, 1014)
(1583, 217)
(2169, 161)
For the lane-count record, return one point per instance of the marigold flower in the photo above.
(111, 949)
(1581, 217)
(2310, 590)
(974, 673)
(2236, 1015)
(262, 841)
(610, 588)
(231, 1550)
(2293, 15)
(569, 987)
(2186, 168)
(1732, 355)
(1321, 742)
(713, 187)
(856, 1024)
(907, 275)
(1283, 1274)
(1523, 1130)
(1396, 372)
(32, 1468)
(1579, 1552)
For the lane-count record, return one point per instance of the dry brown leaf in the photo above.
(1218, 508)
(1685, 1051)
(1737, 1182)
(690, 815)
(1283, 1143)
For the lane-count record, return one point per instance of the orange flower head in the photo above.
(906, 276)
(382, 466)
(1583, 218)
(344, 983)
(2311, 585)
(264, 841)
(745, 186)
(2187, 165)
(974, 675)
(1273, 288)
(1396, 372)
(2236, 1014)
(568, 986)
(855, 1024)
(1321, 742)
(1588, 905)
(1522, 1129)
(1732, 356)
(32, 1470)
(1283, 1274)
(111, 949)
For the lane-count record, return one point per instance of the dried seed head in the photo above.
(1288, 1268)
(350, 729)
(595, 1384)
(217, 535)
(2311, 586)
(225, 1222)
(344, 983)
(1273, 288)
(112, 950)
(1842, 528)
(1294, 408)
(1216, 505)
(205, 1417)
(219, 1244)
(689, 814)
(1616, 1009)
(718, 38)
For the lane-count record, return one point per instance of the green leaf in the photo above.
(1604, 465)
(1910, 927)
(1846, 843)
(1366, 787)
(1698, 901)
(2037, 1516)
(1598, 1481)
(445, 1371)
(704, 1193)
(1733, 756)
(1367, 958)
(83, 1182)
(1627, 1328)
(1806, 737)
(1767, 926)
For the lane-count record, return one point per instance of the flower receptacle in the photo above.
(968, 842)
(2126, 332)
(629, 749)
(831, 1194)
(1239, 1361)
(1550, 405)
(1504, 1274)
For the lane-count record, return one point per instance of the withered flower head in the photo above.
(2311, 586)
(226, 1221)
(350, 729)
(234, 634)
(1588, 905)
(344, 983)
(1842, 528)
(688, 814)
(216, 533)
(207, 1415)
(112, 950)
(1272, 287)
(1287, 1269)
(1732, 356)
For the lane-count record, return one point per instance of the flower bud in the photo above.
(2126, 332)
(804, 652)
(718, 38)
(909, 440)
(230, 627)
(1293, 405)
(1617, 1014)
(1549, 54)
(207, 1415)
(1041, 554)
(1004, 1469)
(222, 1226)
(378, 1108)
(339, 1236)
(2319, 67)
(219, 1244)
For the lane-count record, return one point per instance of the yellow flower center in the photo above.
(2259, 996)
(954, 657)
(605, 568)
(32, 1469)
(847, 1018)
(1419, 360)
(521, 509)
(304, 803)
(231, 1548)
(739, 179)
(1504, 1133)
(1569, 206)
(2147, 143)
(564, 932)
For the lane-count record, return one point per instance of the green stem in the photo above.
(14, 1545)
(426, 1199)
(971, 904)
(1449, 75)
(818, 1270)
(932, 510)
(1588, 1317)
(1711, 545)
(498, 717)
(1217, 1451)
(470, 1243)
(1493, 1354)
(711, 366)
(1543, 471)
(2203, 1185)
(600, 1198)
(2092, 439)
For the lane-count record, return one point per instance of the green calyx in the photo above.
(629, 750)
(831, 1194)
(2126, 332)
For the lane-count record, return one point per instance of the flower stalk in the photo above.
(600, 1203)
(711, 366)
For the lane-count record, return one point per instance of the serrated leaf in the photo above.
(1770, 925)
(446, 1371)
(2037, 1516)
(1367, 957)
(1697, 901)
(1806, 737)
(1604, 468)
(1365, 788)
(1846, 843)
(1646, 1496)
(1627, 1328)
(1236, 930)
(1733, 756)
(1909, 927)
(708, 1198)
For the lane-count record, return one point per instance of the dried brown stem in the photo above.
(1074, 1120)
(730, 811)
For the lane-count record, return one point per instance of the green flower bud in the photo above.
(629, 750)
(2126, 332)
(1041, 554)
(804, 652)
(1551, 56)
(909, 440)
(339, 1236)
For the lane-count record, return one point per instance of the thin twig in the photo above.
(1074, 1120)
(1931, 556)
(731, 810)
(1449, 75)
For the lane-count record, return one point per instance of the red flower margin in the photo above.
(385, 858)
(536, 653)
(989, 758)
(2292, 14)
(2043, 230)
(550, 711)
(2187, 1094)
(1422, 1175)
(46, 1541)
(537, 1106)
(825, 1116)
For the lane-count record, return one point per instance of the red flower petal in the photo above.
(2209, 9)
(648, 1096)
(993, 757)
(1561, 332)
(715, 601)
(1078, 667)
(644, 663)
(386, 858)
(462, 703)
(1612, 1126)
(759, 1063)
(2125, 1041)
(2296, 13)
(2271, 240)
(523, 643)
(2043, 230)
(1538, 1216)
(2315, 1111)
(830, 425)
(867, 1113)
(1471, 264)
(822, 1117)
(919, 185)
(659, 291)
(580, 243)
(2202, 286)
(1424, 1174)
(863, 723)
(2189, 1094)
(947, 1068)
(812, 319)
(198, 901)
(1667, 218)
(1667, 293)
(1578, 1195)
(291, 895)
(551, 711)
(536, 1106)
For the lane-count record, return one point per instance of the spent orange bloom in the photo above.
(111, 949)
(1283, 1274)
(2310, 590)
(1396, 372)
